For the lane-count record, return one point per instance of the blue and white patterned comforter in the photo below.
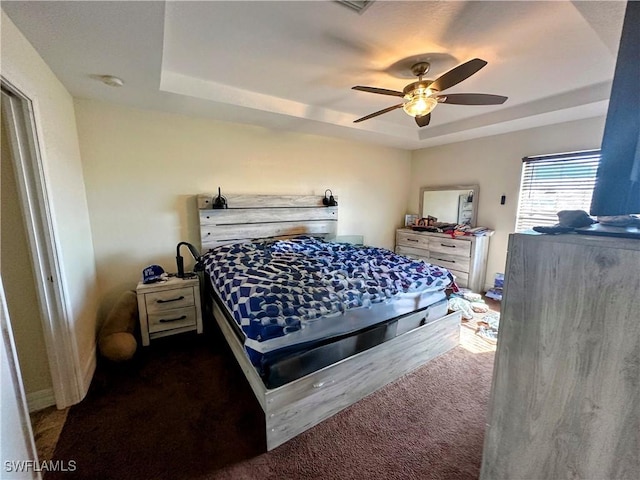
(275, 288)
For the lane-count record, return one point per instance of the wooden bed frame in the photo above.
(299, 405)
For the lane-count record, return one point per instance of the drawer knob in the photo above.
(168, 320)
(412, 240)
(448, 246)
(177, 299)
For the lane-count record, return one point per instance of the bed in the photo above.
(320, 329)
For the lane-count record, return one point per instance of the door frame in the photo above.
(21, 120)
(24, 431)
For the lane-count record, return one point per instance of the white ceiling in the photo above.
(291, 65)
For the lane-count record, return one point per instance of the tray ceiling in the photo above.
(291, 65)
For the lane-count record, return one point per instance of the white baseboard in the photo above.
(87, 372)
(40, 399)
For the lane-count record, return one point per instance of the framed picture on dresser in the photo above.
(410, 220)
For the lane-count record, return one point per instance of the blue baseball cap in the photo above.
(153, 273)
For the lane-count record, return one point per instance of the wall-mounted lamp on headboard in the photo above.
(219, 201)
(329, 201)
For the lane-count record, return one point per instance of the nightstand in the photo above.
(169, 307)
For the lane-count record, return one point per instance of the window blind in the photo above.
(551, 183)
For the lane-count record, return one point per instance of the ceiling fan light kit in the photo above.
(421, 97)
(419, 103)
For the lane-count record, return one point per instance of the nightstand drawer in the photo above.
(461, 248)
(169, 299)
(170, 319)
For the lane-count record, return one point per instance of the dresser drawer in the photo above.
(409, 239)
(462, 278)
(460, 248)
(464, 256)
(411, 252)
(170, 319)
(169, 299)
(450, 262)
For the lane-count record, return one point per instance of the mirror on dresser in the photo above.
(450, 204)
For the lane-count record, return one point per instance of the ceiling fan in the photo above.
(421, 97)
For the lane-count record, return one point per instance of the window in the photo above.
(551, 183)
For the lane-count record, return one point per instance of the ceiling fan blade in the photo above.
(382, 91)
(457, 74)
(379, 112)
(424, 120)
(472, 99)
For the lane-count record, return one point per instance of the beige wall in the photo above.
(495, 164)
(58, 141)
(19, 284)
(143, 169)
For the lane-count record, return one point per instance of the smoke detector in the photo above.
(111, 80)
(356, 5)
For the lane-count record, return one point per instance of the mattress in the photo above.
(283, 366)
(292, 295)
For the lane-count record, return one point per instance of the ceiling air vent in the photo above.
(357, 5)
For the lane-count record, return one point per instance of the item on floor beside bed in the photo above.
(469, 295)
(115, 340)
(498, 284)
(458, 304)
(479, 307)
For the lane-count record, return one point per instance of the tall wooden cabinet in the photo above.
(566, 381)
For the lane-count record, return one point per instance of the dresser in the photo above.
(169, 307)
(465, 257)
(565, 396)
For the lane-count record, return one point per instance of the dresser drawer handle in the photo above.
(448, 246)
(412, 240)
(322, 384)
(181, 297)
(443, 260)
(168, 320)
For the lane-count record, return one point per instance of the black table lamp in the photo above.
(180, 261)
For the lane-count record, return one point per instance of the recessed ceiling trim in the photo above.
(177, 83)
(579, 112)
(292, 67)
(560, 105)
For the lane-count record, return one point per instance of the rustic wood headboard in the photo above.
(264, 216)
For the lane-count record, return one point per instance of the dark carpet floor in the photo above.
(183, 410)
